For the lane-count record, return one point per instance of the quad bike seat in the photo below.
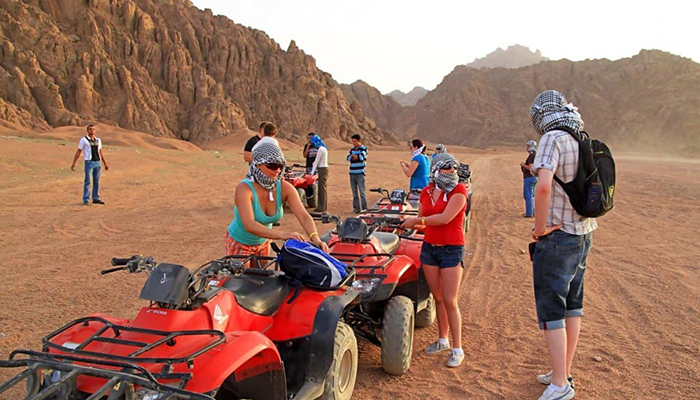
(261, 295)
(390, 241)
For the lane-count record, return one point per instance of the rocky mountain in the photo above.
(514, 56)
(651, 99)
(370, 107)
(163, 67)
(410, 98)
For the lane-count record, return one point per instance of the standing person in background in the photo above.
(247, 156)
(320, 165)
(419, 168)
(357, 156)
(562, 240)
(269, 133)
(439, 149)
(91, 148)
(441, 212)
(529, 180)
(310, 153)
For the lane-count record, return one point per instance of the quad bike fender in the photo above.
(247, 357)
(320, 344)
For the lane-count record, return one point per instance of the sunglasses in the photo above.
(274, 166)
(446, 167)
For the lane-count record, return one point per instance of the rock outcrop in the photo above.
(163, 67)
(410, 98)
(374, 110)
(514, 56)
(651, 99)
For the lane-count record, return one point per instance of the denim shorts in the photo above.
(558, 266)
(441, 256)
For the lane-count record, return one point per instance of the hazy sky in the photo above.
(401, 44)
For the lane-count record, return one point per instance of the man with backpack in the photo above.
(562, 236)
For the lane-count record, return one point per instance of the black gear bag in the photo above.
(591, 191)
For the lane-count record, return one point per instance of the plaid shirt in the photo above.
(558, 152)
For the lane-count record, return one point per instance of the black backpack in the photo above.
(591, 191)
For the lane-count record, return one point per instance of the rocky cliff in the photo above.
(410, 98)
(514, 56)
(371, 107)
(649, 100)
(163, 67)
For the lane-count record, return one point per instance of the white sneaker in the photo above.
(455, 359)
(546, 379)
(552, 394)
(437, 347)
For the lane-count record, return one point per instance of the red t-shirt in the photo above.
(453, 232)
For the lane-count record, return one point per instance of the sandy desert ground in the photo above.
(643, 279)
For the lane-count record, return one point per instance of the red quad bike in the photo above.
(223, 332)
(304, 183)
(394, 292)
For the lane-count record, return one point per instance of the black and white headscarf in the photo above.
(444, 180)
(265, 153)
(531, 146)
(440, 148)
(550, 111)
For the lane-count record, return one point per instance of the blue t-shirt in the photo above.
(419, 179)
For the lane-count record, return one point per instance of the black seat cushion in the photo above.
(390, 241)
(262, 299)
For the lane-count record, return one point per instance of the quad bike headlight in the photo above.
(366, 286)
(148, 394)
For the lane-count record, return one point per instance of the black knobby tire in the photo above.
(340, 378)
(426, 316)
(302, 195)
(397, 335)
(311, 200)
(466, 222)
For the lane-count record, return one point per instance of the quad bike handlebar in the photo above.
(133, 264)
(380, 190)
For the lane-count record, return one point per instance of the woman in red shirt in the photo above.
(442, 206)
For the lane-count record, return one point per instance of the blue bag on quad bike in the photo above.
(310, 265)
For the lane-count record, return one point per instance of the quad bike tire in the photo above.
(341, 376)
(466, 222)
(311, 200)
(426, 316)
(397, 335)
(302, 195)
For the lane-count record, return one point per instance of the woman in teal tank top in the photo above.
(258, 205)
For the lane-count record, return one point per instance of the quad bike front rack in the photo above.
(120, 384)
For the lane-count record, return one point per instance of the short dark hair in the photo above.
(417, 143)
(356, 137)
(270, 129)
(89, 126)
(263, 124)
(310, 134)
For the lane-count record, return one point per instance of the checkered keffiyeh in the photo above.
(265, 153)
(443, 180)
(550, 111)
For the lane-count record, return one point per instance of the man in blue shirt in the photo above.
(357, 156)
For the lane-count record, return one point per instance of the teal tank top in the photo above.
(237, 231)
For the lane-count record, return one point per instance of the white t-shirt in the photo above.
(84, 145)
(321, 159)
(266, 139)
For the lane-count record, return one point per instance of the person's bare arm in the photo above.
(408, 170)
(290, 195)
(306, 150)
(244, 203)
(75, 159)
(247, 156)
(454, 207)
(102, 157)
(543, 196)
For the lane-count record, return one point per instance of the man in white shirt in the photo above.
(321, 165)
(91, 148)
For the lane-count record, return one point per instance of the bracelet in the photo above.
(422, 220)
(536, 235)
(312, 235)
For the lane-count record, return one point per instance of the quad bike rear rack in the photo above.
(120, 383)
